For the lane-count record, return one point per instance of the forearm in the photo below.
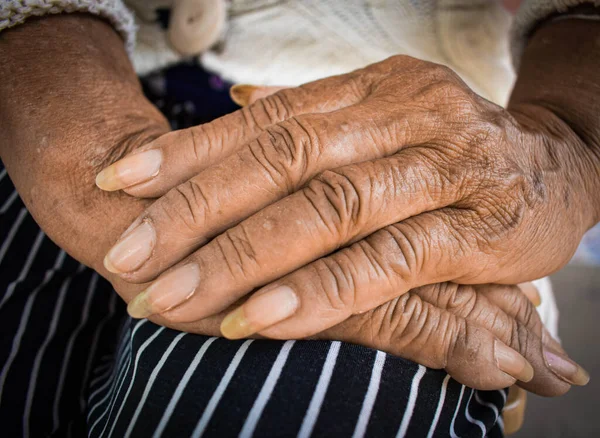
(70, 104)
(559, 73)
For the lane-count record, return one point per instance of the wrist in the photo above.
(70, 104)
(558, 76)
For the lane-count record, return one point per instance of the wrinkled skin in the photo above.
(80, 108)
(383, 180)
(415, 177)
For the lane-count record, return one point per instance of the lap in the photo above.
(167, 383)
(74, 361)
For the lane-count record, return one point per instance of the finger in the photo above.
(505, 312)
(531, 292)
(417, 330)
(513, 413)
(177, 156)
(429, 248)
(553, 356)
(414, 329)
(337, 208)
(245, 95)
(258, 251)
(421, 250)
(278, 163)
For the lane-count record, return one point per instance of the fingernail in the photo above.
(564, 368)
(134, 169)
(259, 312)
(512, 363)
(531, 292)
(241, 94)
(132, 250)
(168, 291)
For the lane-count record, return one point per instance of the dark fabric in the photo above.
(73, 364)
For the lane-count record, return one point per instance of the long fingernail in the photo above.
(241, 93)
(132, 250)
(260, 312)
(512, 363)
(133, 169)
(167, 292)
(564, 368)
(532, 293)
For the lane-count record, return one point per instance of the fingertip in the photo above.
(565, 368)
(135, 168)
(244, 94)
(531, 292)
(261, 311)
(106, 180)
(139, 308)
(241, 93)
(109, 266)
(512, 363)
(235, 325)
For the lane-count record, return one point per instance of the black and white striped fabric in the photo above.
(73, 364)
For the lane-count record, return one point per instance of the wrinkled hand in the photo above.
(453, 186)
(52, 147)
(348, 192)
(473, 332)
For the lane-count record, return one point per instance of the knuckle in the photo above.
(461, 300)
(504, 193)
(521, 339)
(394, 321)
(441, 71)
(198, 149)
(359, 85)
(407, 326)
(435, 99)
(271, 109)
(442, 338)
(186, 204)
(238, 253)
(463, 344)
(285, 104)
(397, 62)
(413, 328)
(337, 285)
(501, 215)
(338, 200)
(409, 243)
(285, 150)
(480, 143)
(525, 311)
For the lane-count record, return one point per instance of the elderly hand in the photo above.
(360, 188)
(486, 337)
(454, 186)
(85, 108)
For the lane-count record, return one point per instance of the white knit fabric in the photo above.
(548, 310)
(291, 42)
(152, 49)
(14, 12)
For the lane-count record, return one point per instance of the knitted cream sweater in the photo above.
(287, 42)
